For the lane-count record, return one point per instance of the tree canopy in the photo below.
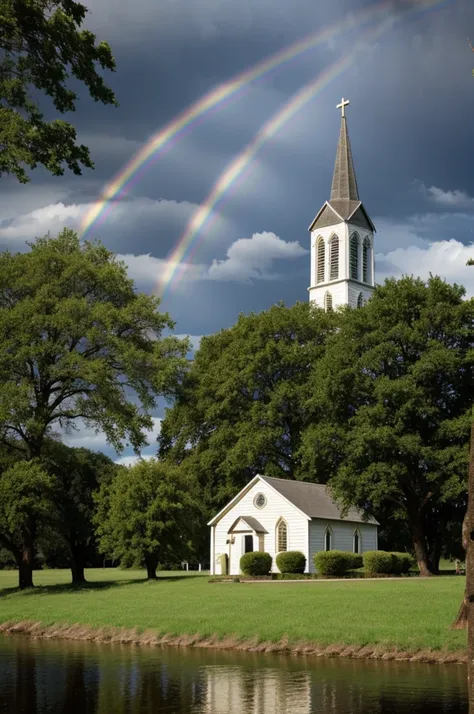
(145, 515)
(392, 403)
(26, 501)
(42, 47)
(77, 341)
(241, 408)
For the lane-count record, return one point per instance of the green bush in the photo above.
(333, 562)
(292, 561)
(380, 562)
(256, 563)
(403, 562)
(355, 561)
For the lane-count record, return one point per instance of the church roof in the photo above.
(314, 499)
(344, 203)
(344, 183)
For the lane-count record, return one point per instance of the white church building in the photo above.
(342, 238)
(275, 515)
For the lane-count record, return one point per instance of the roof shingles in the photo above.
(314, 500)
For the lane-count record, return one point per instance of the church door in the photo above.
(248, 544)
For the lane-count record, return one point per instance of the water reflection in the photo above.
(41, 677)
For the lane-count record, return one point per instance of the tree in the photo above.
(42, 46)
(392, 400)
(145, 515)
(242, 407)
(78, 342)
(26, 500)
(79, 474)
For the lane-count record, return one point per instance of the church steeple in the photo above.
(344, 183)
(342, 249)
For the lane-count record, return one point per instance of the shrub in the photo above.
(333, 562)
(380, 562)
(256, 563)
(403, 563)
(355, 561)
(293, 561)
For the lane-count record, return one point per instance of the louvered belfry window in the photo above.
(365, 260)
(354, 257)
(334, 258)
(328, 301)
(320, 261)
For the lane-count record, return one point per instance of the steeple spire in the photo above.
(344, 184)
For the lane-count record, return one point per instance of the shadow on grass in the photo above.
(94, 585)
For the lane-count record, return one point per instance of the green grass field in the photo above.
(411, 613)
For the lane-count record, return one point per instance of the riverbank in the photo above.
(385, 619)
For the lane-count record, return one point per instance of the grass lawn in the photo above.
(408, 614)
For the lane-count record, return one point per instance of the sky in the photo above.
(411, 92)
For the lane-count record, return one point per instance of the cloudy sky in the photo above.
(410, 122)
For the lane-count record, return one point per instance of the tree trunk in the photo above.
(76, 557)
(460, 622)
(470, 573)
(434, 555)
(77, 572)
(151, 564)
(25, 567)
(419, 543)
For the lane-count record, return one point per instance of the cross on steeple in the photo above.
(344, 103)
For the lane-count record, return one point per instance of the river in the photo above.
(58, 677)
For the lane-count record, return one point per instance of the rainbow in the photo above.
(235, 170)
(216, 98)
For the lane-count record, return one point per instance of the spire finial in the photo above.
(342, 105)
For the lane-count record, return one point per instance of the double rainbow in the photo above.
(184, 122)
(235, 171)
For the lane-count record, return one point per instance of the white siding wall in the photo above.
(343, 532)
(275, 508)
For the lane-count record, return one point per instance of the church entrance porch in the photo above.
(245, 536)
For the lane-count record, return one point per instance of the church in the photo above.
(342, 238)
(274, 515)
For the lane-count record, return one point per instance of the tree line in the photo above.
(374, 401)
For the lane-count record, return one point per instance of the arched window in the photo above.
(281, 536)
(366, 260)
(354, 257)
(356, 541)
(334, 258)
(360, 300)
(320, 257)
(328, 301)
(328, 538)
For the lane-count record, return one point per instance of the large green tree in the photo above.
(77, 341)
(241, 409)
(392, 406)
(79, 474)
(146, 515)
(26, 503)
(42, 46)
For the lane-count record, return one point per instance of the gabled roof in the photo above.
(251, 522)
(314, 499)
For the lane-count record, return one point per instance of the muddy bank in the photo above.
(114, 635)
